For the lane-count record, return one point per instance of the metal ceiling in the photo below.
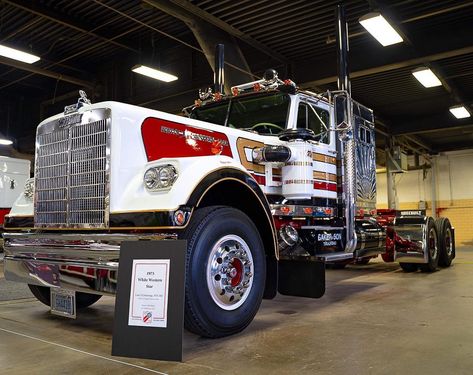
(93, 43)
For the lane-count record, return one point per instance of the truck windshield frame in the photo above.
(263, 113)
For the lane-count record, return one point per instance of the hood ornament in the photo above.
(83, 100)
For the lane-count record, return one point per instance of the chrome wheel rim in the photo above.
(230, 272)
(433, 248)
(448, 242)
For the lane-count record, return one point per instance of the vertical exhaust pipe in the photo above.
(348, 146)
(219, 69)
(342, 50)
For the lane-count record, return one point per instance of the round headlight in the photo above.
(167, 176)
(151, 178)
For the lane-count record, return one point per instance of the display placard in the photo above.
(149, 308)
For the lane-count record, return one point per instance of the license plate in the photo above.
(63, 303)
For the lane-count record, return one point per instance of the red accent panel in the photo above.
(3, 212)
(261, 180)
(168, 139)
(325, 186)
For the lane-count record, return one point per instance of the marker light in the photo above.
(153, 73)
(15, 54)
(460, 112)
(381, 30)
(426, 77)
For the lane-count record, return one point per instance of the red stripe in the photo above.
(325, 186)
(261, 180)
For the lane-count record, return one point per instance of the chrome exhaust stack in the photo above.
(344, 120)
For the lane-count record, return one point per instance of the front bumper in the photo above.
(81, 262)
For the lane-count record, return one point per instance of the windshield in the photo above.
(264, 114)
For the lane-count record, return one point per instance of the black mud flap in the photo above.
(302, 277)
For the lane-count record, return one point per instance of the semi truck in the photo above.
(266, 183)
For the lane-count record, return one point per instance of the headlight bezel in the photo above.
(161, 177)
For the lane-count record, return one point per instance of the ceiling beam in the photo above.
(62, 19)
(46, 73)
(191, 10)
(393, 66)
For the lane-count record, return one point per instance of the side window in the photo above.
(316, 119)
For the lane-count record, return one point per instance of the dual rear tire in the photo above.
(440, 247)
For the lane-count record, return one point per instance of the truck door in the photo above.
(318, 118)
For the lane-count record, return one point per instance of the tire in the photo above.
(445, 242)
(83, 300)
(409, 267)
(226, 272)
(432, 248)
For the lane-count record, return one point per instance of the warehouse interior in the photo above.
(374, 318)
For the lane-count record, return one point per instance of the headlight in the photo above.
(29, 188)
(161, 177)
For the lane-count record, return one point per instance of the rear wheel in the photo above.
(432, 248)
(445, 242)
(226, 272)
(409, 267)
(83, 300)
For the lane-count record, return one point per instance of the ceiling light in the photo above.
(426, 77)
(153, 73)
(381, 30)
(15, 54)
(5, 142)
(460, 112)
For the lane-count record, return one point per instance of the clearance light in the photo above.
(153, 73)
(5, 142)
(460, 112)
(426, 77)
(15, 54)
(381, 30)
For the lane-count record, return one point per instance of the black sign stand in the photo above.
(150, 342)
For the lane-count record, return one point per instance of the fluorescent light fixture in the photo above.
(381, 30)
(5, 142)
(426, 77)
(460, 111)
(153, 73)
(15, 54)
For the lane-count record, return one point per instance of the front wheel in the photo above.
(226, 272)
(43, 294)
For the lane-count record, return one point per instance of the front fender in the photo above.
(191, 171)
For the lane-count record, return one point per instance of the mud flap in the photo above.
(302, 277)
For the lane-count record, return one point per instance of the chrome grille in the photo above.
(71, 187)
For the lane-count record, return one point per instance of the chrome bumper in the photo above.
(80, 262)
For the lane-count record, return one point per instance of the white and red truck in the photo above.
(266, 185)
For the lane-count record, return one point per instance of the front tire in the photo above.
(226, 272)
(43, 294)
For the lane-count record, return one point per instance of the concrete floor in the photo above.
(374, 319)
